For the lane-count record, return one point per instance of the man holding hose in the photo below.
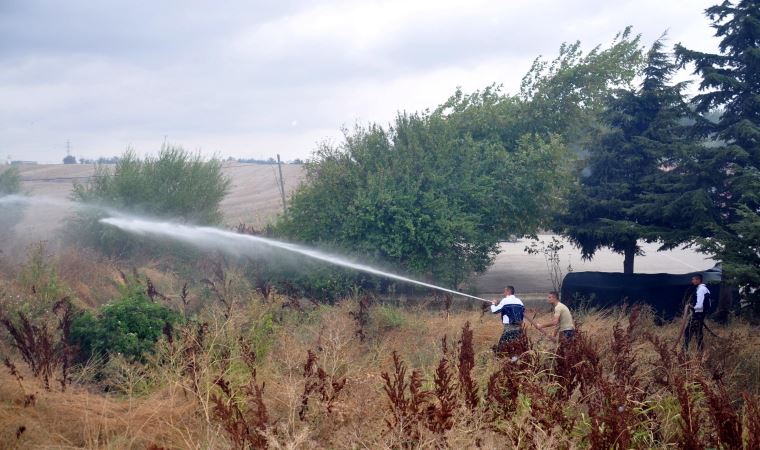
(512, 310)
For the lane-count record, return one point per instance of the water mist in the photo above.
(235, 243)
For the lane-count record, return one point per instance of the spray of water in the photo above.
(214, 238)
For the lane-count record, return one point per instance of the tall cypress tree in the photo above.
(730, 170)
(644, 127)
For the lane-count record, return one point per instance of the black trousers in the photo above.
(567, 334)
(511, 332)
(695, 328)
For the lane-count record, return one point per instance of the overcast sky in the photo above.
(250, 78)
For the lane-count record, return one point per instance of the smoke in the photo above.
(208, 238)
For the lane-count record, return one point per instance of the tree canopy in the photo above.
(644, 129)
(435, 192)
(425, 195)
(729, 170)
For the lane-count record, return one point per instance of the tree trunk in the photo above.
(725, 301)
(629, 253)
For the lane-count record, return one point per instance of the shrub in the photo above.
(40, 277)
(129, 326)
(175, 185)
(42, 347)
(387, 318)
(10, 183)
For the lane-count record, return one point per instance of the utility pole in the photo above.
(282, 185)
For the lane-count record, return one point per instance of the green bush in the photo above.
(10, 181)
(174, 185)
(387, 318)
(10, 215)
(128, 326)
(39, 275)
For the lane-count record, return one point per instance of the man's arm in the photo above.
(552, 323)
(496, 308)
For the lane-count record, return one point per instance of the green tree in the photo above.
(437, 191)
(424, 195)
(645, 127)
(174, 185)
(566, 95)
(728, 171)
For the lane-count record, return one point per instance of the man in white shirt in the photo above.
(512, 310)
(699, 302)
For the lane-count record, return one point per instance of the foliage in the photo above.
(387, 318)
(10, 181)
(245, 420)
(174, 185)
(129, 325)
(436, 191)
(729, 171)
(45, 349)
(423, 195)
(320, 387)
(550, 251)
(645, 129)
(40, 277)
(69, 159)
(11, 214)
(566, 95)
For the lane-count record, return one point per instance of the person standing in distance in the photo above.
(562, 319)
(697, 304)
(512, 310)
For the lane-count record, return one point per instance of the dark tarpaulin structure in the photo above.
(664, 292)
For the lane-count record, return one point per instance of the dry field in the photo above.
(249, 368)
(381, 377)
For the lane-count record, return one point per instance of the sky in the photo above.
(252, 78)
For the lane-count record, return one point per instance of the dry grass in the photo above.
(255, 372)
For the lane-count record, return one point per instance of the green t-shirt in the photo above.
(565, 318)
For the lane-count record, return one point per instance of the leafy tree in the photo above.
(437, 191)
(174, 185)
(728, 171)
(645, 127)
(566, 95)
(69, 159)
(424, 195)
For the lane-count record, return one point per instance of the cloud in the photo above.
(235, 76)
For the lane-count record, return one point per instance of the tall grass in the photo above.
(341, 377)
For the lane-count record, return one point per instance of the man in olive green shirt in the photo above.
(562, 319)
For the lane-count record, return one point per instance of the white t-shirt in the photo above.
(699, 306)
